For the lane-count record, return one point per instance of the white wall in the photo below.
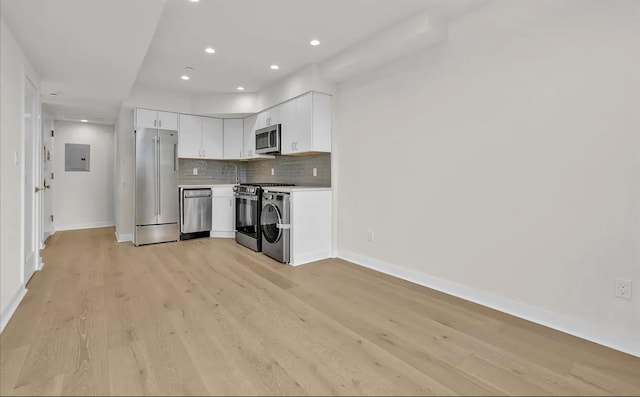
(84, 199)
(13, 66)
(503, 166)
(125, 169)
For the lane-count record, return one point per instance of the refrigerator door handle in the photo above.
(155, 171)
(176, 166)
(158, 176)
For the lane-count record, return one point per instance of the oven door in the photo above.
(247, 221)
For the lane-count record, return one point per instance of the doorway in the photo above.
(31, 141)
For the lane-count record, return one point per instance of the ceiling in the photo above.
(92, 52)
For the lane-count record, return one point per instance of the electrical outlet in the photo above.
(623, 288)
(195, 171)
(272, 171)
(370, 236)
(315, 171)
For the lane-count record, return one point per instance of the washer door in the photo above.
(271, 217)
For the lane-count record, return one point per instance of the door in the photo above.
(247, 221)
(233, 129)
(271, 219)
(168, 121)
(190, 136)
(250, 135)
(31, 183)
(212, 138)
(223, 214)
(146, 118)
(146, 176)
(196, 210)
(47, 174)
(168, 211)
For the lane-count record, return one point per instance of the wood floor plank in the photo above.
(11, 361)
(210, 317)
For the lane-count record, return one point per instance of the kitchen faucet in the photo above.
(225, 169)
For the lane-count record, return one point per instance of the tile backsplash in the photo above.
(287, 169)
(211, 171)
(292, 169)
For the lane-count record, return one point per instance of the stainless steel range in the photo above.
(248, 212)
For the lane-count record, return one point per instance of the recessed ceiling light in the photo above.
(194, 1)
(314, 42)
(240, 88)
(275, 67)
(184, 77)
(84, 120)
(209, 50)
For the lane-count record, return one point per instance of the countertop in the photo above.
(289, 189)
(202, 185)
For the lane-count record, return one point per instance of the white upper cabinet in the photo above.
(233, 138)
(190, 136)
(200, 137)
(250, 126)
(168, 121)
(147, 118)
(309, 130)
(212, 138)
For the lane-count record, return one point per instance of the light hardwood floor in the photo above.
(208, 316)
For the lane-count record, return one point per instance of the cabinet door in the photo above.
(223, 213)
(168, 121)
(146, 118)
(301, 141)
(264, 119)
(212, 138)
(321, 134)
(190, 136)
(233, 138)
(250, 135)
(287, 119)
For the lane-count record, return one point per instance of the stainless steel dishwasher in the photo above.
(195, 212)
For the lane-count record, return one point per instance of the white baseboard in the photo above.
(124, 237)
(7, 312)
(609, 337)
(222, 234)
(78, 226)
(312, 257)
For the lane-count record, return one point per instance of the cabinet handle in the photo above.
(240, 154)
(230, 203)
(160, 123)
(155, 123)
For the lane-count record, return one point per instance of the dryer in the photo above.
(275, 223)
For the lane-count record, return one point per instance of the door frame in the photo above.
(32, 155)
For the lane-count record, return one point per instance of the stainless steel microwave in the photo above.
(268, 140)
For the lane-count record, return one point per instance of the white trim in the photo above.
(79, 226)
(122, 238)
(7, 312)
(222, 234)
(312, 257)
(609, 337)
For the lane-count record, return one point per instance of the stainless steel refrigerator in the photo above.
(156, 186)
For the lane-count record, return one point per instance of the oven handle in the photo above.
(250, 198)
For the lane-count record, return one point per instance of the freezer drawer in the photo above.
(195, 210)
(151, 234)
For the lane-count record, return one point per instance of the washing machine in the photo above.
(275, 225)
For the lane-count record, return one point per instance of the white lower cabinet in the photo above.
(223, 212)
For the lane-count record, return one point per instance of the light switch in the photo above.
(272, 172)
(315, 171)
(195, 171)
